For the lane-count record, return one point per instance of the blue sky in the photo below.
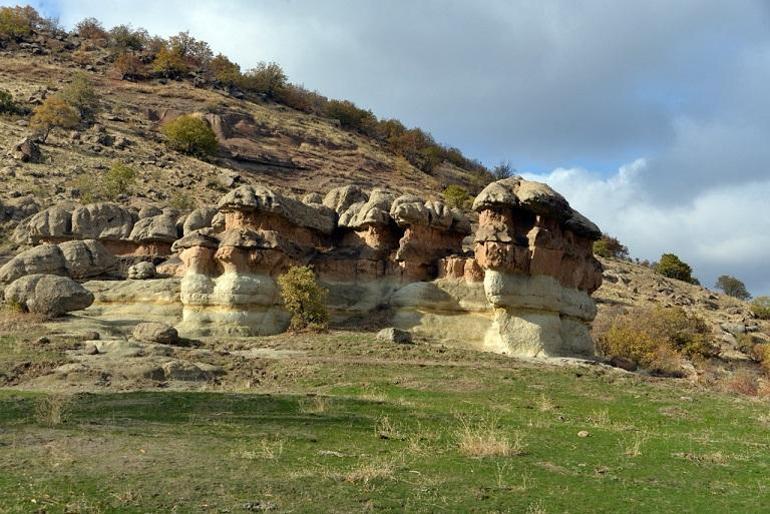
(650, 117)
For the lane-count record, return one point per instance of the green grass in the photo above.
(384, 434)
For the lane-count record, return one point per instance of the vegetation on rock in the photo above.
(304, 298)
(760, 307)
(456, 196)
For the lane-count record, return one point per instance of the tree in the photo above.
(503, 170)
(169, 63)
(18, 22)
(54, 112)
(190, 135)
(731, 286)
(81, 95)
(124, 38)
(223, 70)
(456, 196)
(267, 79)
(304, 298)
(127, 66)
(92, 29)
(610, 248)
(194, 52)
(672, 267)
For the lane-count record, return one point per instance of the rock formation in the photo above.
(523, 289)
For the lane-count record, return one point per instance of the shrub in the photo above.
(7, 105)
(304, 298)
(118, 180)
(91, 28)
(182, 202)
(194, 52)
(350, 116)
(268, 79)
(18, 22)
(743, 382)
(80, 94)
(503, 170)
(123, 38)
(224, 71)
(731, 286)
(169, 63)
(54, 112)
(760, 307)
(190, 135)
(456, 196)
(610, 248)
(654, 338)
(672, 267)
(128, 66)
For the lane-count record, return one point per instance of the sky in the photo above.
(652, 118)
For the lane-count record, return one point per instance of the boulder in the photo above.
(149, 211)
(198, 219)
(394, 335)
(340, 199)
(53, 222)
(86, 258)
(141, 271)
(161, 228)
(375, 211)
(102, 221)
(46, 259)
(27, 150)
(50, 295)
(313, 199)
(154, 332)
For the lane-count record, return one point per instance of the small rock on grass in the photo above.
(394, 335)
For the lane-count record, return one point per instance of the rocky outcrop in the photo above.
(50, 295)
(86, 259)
(46, 258)
(539, 268)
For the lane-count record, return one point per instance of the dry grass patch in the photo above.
(14, 319)
(53, 409)
(634, 446)
(545, 404)
(485, 439)
(371, 471)
(315, 405)
(266, 450)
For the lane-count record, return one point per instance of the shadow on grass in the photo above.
(171, 407)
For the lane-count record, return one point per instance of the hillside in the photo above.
(260, 140)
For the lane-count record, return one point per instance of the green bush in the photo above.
(80, 94)
(456, 196)
(672, 267)
(54, 112)
(190, 135)
(610, 248)
(119, 180)
(17, 22)
(655, 338)
(8, 105)
(761, 307)
(268, 79)
(304, 298)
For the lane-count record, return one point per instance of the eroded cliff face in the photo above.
(522, 287)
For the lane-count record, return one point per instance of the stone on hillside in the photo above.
(394, 335)
(46, 258)
(102, 221)
(87, 258)
(53, 222)
(149, 211)
(375, 211)
(313, 199)
(198, 219)
(50, 295)
(142, 271)
(154, 332)
(340, 199)
(27, 150)
(161, 228)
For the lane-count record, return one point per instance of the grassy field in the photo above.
(353, 425)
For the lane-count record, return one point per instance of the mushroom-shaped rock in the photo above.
(341, 198)
(203, 238)
(108, 221)
(535, 197)
(411, 210)
(582, 226)
(46, 258)
(375, 211)
(251, 199)
(87, 258)
(50, 295)
(161, 228)
(198, 219)
(53, 222)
